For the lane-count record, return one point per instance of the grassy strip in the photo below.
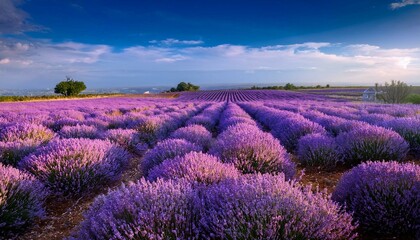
(413, 98)
(52, 97)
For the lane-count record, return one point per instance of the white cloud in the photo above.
(311, 63)
(171, 59)
(404, 62)
(172, 41)
(404, 3)
(4, 61)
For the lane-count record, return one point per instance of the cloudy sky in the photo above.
(110, 43)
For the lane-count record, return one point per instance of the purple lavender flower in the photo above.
(194, 167)
(350, 125)
(208, 118)
(290, 130)
(383, 196)
(375, 118)
(371, 143)
(141, 148)
(12, 152)
(71, 113)
(75, 166)
(165, 149)
(227, 122)
(142, 210)
(317, 150)
(21, 199)
(334, 125)
(25, 131)
(154, 129)
(59, 123)
(409, 129)
(196, 134)
(342, 112)
(206, 121)
(96, 122)
(269, 207)
(251, 151)
(288, 127)
(79, 131)
(127, 138)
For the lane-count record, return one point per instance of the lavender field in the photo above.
(232, 164)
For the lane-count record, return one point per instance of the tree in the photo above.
(69, 87)
(395, 92)
(327, 86)
(182, 86)
(289, 86)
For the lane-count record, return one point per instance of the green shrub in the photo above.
(413, 98)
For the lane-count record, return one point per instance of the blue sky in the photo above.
(208, 42)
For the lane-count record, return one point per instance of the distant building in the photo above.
(147, 92)
(369, 95)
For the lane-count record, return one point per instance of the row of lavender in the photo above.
(239, 189)
(371, 123)
(67, 153)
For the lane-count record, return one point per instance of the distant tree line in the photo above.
(289, 86)
(183, 86)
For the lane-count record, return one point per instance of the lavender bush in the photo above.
(251, 151)
(409, 129)
(232, 115)
(317, 150)
(209, 117)
(12, 152)
(290, 130)
(141, 148)
(99, 123)
(375, 118)
(75, 166)
(384, 197)
(56, 125)
(18, 140)
(25, 131)
(79, 131)
(169, 148)
(226, 123)
(334, 125)
(194, 167)
(151, 129)
(288, 127)
(196, 134)
(127, 138)
(142, 210)
(209, 122)
(21, 199)
(269, 207)
(371, 143)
